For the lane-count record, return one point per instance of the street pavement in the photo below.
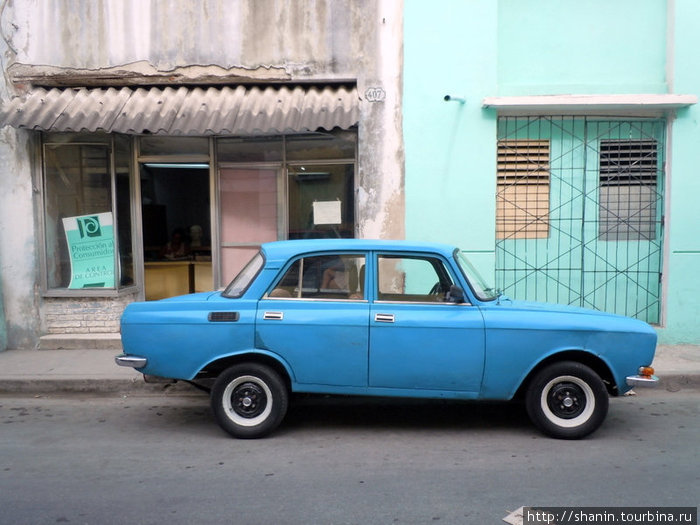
(94, 371)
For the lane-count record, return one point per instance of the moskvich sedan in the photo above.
(384, 318)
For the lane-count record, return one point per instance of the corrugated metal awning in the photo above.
(183, 110)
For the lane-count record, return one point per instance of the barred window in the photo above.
(522, 200)
(628, 188)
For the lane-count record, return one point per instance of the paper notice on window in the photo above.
(327, 212)
(90, 241)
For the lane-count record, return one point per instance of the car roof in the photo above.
(283, 250)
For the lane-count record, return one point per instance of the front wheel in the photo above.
(567, 400)
(249, 400)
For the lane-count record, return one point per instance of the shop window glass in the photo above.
(83, 235)
(250, 149)
(336, 145)
(249, 214)
(178, 146)
(122, 164)
(321, 201)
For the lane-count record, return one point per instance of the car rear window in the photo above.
(245, 277)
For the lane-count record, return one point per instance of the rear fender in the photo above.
(217, 365)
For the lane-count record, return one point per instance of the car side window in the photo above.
(412, 279)
(336, 277)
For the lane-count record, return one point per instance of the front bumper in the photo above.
(645, 381)
(132, 361)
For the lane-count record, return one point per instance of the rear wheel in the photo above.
(567, 400)
(249, 400)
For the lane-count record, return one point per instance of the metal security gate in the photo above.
(579, 212)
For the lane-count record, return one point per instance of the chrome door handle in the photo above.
(273, 316)
(384, 318)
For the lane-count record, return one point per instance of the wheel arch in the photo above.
(213, 369)
(592, 361)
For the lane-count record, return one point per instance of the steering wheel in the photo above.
(437, 289)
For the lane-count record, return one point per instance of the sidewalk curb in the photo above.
(134, 386)
(137, 386)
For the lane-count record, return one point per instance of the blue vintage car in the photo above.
(384, 318)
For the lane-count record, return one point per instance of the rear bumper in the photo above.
(132, 361)
(645, 381)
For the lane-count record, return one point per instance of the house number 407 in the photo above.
(375, 94)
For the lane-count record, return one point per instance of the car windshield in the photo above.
(482, 289)
(241, 282)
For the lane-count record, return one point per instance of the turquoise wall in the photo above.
(682, 300)
(597, 46)
(480, 48)
(449, 48)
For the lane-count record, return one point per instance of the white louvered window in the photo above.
(628, 190)
(522, 200)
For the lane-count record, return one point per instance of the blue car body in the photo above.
(478, 347)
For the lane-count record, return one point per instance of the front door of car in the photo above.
(315, 317)
(418, 340)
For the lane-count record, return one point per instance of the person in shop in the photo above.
(177, 247)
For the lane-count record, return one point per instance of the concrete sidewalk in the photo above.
(40, 372)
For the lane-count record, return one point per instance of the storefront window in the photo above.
(249, 200)
(322, 146)
(321, 201)
(122, 172)
(250, 149)
(87, 246)
(173, 146)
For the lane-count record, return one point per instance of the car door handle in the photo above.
(384, 318)
(273, 316)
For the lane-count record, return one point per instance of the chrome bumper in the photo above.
(645, 381)
(131, 360)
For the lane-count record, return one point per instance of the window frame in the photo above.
(340, 253)
(45, 140)
(418, 256)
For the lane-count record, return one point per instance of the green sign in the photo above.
(91, 246)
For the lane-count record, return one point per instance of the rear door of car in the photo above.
(316, 317)
(418, 340)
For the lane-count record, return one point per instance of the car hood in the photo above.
(532, 306)
(526, 314)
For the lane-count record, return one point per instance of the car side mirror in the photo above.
(455, 294)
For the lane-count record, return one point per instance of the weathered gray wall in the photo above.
(300, 38)
(111, 41)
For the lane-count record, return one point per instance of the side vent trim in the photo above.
(223, 317)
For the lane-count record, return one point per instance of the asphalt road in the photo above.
(143, 460)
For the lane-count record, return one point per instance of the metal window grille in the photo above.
(599, 243)
(522, 201)
(628, 170)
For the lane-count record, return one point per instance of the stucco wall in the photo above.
(95, 41)
(18, 250)
(450, 49)
(682, 298)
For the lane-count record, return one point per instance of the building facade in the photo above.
(149, 147)
(558, 141)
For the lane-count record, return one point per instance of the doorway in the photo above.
(176, 225)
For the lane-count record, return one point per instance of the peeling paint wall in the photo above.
(18, 250)
(94, 41)
(303, 38)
